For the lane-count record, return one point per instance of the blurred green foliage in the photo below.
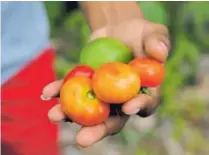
(154, 11)
(193, 18)
(188, 23)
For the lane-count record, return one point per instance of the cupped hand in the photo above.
(145, 39)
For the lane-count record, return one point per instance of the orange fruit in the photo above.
(151, 71)
(80, 104)
(115, 82)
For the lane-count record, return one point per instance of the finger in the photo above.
(148, 111)
(137, 47)
(115, 124)
(51, 90)
(87, 136)
(156, 42)
(151, 107)
(98, 34)
(136, 104)
(142, 101)
(55, 114)
(156, 47)
(153, 28)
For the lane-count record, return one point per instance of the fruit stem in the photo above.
(145, 90)
(91, 95)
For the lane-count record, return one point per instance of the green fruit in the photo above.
(104, 50)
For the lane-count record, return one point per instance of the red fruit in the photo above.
(80, 70)
(151, 71)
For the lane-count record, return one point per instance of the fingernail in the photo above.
(132, 112)
(52, 115)
(79, 147)
(163, 46)
(45, 98)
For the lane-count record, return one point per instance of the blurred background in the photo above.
(180, 126)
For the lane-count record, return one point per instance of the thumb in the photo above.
(156, 41)
(157, 46)
(87, 136)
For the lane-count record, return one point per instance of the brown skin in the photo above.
(124, 21)
(100, 14)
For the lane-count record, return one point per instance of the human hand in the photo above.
(145, 39)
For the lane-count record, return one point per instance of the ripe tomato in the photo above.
(80, 70)
(80, 104)
(151, 71)
(115, 82)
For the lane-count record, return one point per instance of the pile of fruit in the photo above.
(107, 74)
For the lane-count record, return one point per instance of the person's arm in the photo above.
(99, 14)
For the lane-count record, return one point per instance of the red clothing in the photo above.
(25, 127)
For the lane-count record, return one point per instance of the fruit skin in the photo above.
(104, 50)
(80, 104)
(115, 82)
(80, 70)
(151, 71)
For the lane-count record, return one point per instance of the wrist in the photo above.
(123, 11)
(101, 14)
